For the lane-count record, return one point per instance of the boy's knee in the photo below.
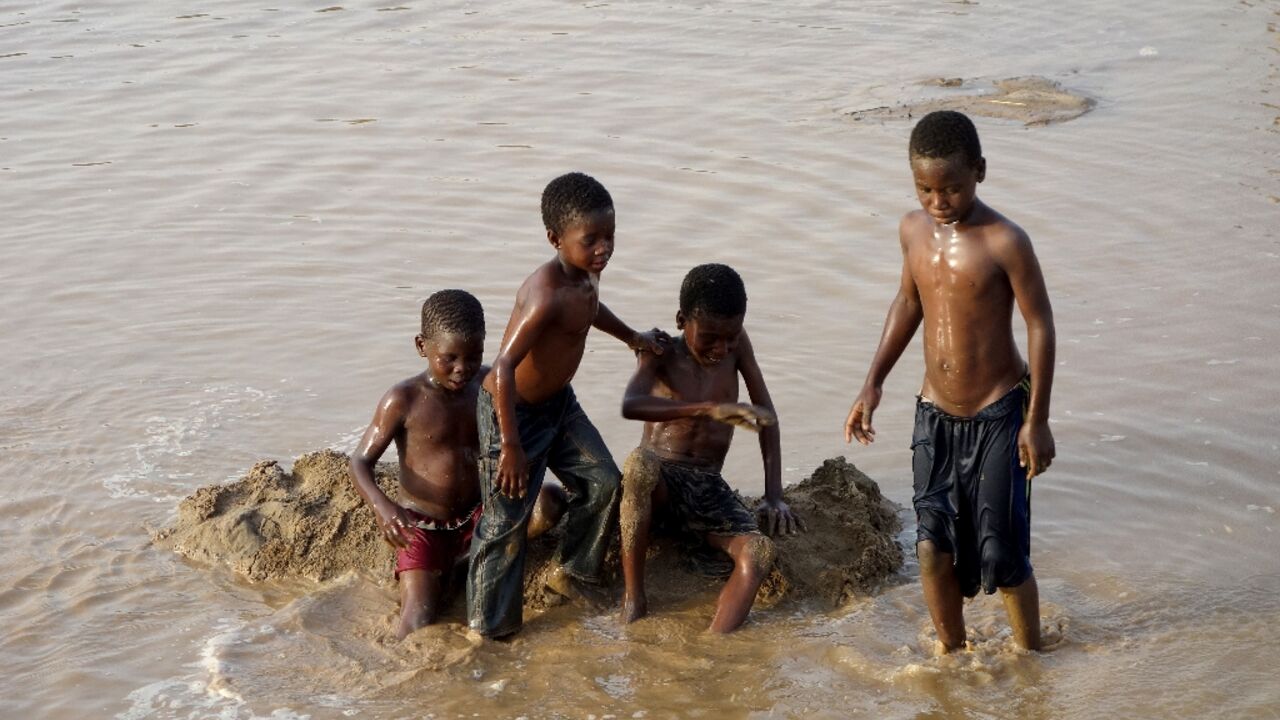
(759, 554)
(932, 560)
(639, 474)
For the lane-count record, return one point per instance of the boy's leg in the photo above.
(420, 592)
(642, 486)
(1022, 603)
(753, 556)
(584, 466)
(548, 509)
(495, 578)
(942, 594)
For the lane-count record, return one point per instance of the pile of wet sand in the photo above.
(310, 523)
(1031, 100)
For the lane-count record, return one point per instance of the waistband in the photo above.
(1013, 400)
(681, 465)
(429, 523)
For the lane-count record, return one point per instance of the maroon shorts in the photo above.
(435, 550)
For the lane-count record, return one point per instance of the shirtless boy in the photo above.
(982, 417)
(688, 398)
(431, 417)
(530, 420)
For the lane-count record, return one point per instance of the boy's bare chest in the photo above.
(577, 311)
(955, 269)
(442, 421)
(687, 381)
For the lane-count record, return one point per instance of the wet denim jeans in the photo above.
(557, 435)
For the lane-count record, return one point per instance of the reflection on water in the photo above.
(219, 222)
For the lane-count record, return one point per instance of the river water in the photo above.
(220, 219)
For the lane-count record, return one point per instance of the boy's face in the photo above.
(452, 360)
(710, 338)
(587, 241)
(947, 186)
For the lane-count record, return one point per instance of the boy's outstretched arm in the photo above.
(528, 322)
(387, 422)
(1036, 447)
(775, 514)
(655, 341)
(639, 402)
(905, 314)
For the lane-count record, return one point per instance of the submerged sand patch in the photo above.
(1031, 100)
(310, 523)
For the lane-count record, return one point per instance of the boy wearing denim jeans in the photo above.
(530, 421)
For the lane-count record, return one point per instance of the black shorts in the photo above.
(972, 498)
(700, 502)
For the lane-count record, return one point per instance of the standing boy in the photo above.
(982, 420)
(530, 420)
(688, 398)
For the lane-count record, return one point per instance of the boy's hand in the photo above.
(858, 424)
(775, 517)
(654, 341)
(513, 474)
(1035, 447)
(394, 523)
(743, 415)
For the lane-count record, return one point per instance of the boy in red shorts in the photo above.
(432, 419)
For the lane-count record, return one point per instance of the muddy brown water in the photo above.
(220, 218)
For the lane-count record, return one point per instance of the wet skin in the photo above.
(555, 309)
(688, 400)
(431, 417)
(964, 268)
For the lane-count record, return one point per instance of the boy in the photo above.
(530, 420)
(982, 420)
(431, 418)
(688, 400)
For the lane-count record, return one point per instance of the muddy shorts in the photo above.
(972, 499)
(700, 502)
(435, 545)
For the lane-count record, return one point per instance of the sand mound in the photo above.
(1030, 100)
(310, 523)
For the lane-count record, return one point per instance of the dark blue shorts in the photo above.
(972, 498)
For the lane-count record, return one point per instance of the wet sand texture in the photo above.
(1031, 100)
(310, 523)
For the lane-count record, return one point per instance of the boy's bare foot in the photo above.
(633, 608)
(582, 593)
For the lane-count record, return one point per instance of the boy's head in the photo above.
(713, 302)
(452, 338)
(947, 164)
(578, 214)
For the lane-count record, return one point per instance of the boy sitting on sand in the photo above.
(688, 400)
(530, 420)
(982, 420)
(432, 419)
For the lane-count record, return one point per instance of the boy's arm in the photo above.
(639, 402)
(1035, 441)
(388, 419)
(535, 313)
(772, 510)
(654, 341)
(905, 314)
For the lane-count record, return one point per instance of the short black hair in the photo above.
(571, 196)
(713, 289)
(453, 311)
(944, 133)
